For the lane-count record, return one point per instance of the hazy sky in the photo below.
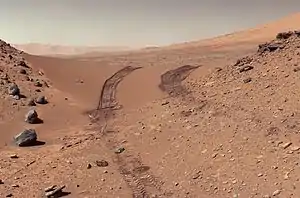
(132, 22)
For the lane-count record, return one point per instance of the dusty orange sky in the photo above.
(132, 22)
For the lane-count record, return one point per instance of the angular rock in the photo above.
(14, 90)
(32, 117)
(41, 100)
(26, 138)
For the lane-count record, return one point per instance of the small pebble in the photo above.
(14, 156)
(286, 145)
(89, 166)
(276, 192)
(260, 175)
(214, 155)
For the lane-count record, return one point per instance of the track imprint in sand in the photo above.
(171, 80)
(107, 101)
(108, 93)
(137, 176)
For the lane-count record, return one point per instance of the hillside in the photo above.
(255, 35)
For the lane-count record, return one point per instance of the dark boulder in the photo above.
(26, 138)
(32, 117)
(14, 90)
(41, 100)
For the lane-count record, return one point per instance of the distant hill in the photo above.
(48, 49)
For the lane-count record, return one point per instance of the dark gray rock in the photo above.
(41, 100)
(32, 117)
(14, 90)
(26, 138)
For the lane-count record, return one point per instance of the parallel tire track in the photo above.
(137, 176)
(171, 80)
(108, 93)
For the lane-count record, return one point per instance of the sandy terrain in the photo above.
(214, 118)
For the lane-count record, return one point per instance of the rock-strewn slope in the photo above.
(20, 84)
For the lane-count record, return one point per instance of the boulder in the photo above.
(26, 138)
(41, 100)
(32, 117)
(14, 90)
